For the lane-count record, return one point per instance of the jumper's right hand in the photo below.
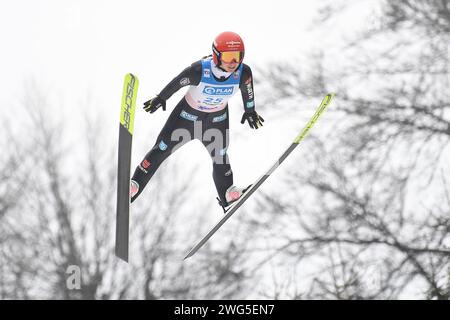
(154, 104)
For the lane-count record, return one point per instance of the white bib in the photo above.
(211, 95)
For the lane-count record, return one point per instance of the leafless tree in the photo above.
(58, 210)
(378, 224)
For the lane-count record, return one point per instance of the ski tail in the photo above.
(320, 110)
(127, 111)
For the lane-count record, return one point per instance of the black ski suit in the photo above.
(186, 123)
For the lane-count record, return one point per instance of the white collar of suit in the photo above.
(219, 73)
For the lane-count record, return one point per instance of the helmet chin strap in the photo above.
(220, 67)
(219, 72)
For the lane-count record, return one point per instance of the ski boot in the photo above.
(134, 188)
(232, 195)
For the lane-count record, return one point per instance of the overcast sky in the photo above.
(81, 50)
(78, 51)
(79, 46)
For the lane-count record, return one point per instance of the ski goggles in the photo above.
(229, 56)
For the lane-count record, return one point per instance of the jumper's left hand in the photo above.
(254, 119)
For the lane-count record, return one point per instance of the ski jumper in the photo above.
(201, 114)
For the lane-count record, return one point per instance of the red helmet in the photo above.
(228, 42)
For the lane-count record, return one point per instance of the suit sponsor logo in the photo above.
(220, 118)
(213, 91)
(162, 146)
(249, 90)
(185, 81)
(129, 102)
(188, 116)
(223, 151)
(207, 108)
(145, 164)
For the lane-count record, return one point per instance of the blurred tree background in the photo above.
(363, 211)
(377, 221)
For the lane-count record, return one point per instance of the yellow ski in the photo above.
(230, 211)
(127, 110)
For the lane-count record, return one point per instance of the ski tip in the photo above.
(130, 75)
(188, 255)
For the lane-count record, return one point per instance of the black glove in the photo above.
(254, 120)
(154, 104)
